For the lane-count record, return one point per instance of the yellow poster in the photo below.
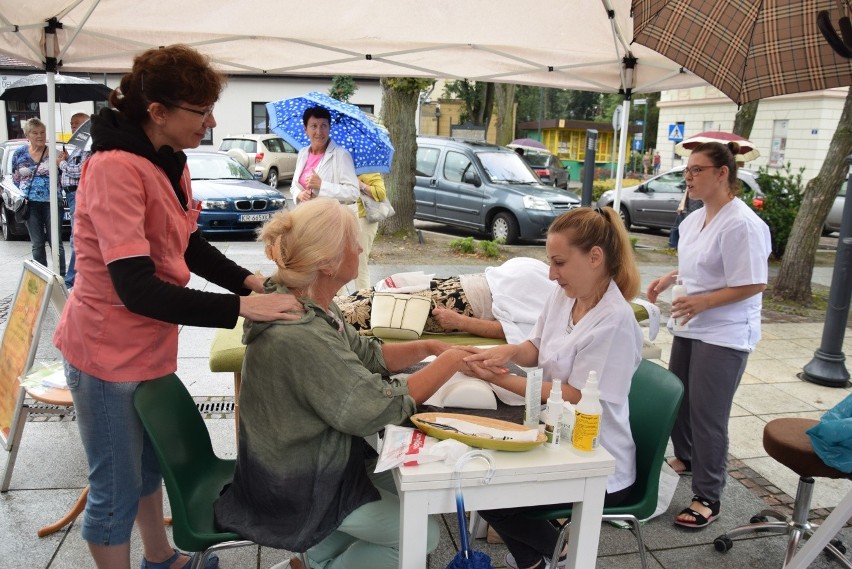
(17, 343)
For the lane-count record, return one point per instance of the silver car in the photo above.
(832, 222)
(272, 157)
(653, 203)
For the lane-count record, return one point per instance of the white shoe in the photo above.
(512, 564)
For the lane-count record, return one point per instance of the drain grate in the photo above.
(5, 304)
(209, 407)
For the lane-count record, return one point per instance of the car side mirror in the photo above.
(644, 189)
(471, 177)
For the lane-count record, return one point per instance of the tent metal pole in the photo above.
(622, 147)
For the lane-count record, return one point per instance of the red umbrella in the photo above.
(747, 150)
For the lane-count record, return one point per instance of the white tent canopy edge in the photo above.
(582, 44)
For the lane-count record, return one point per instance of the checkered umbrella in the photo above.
(351, 128)
(748, 49)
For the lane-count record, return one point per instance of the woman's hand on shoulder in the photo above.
(255, 283)
(269, 307)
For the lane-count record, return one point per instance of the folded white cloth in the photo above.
(405, 282)
(473, 429)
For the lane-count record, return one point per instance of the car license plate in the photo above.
(254, 217)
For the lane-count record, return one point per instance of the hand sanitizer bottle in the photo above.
(587, 420)
(679, 290)
(553, 415)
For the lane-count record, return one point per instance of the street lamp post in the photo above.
(644, 103)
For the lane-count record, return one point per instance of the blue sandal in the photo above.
(211, 563)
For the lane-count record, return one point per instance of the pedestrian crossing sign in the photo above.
(676, 132)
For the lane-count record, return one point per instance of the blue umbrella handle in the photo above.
(465, 544)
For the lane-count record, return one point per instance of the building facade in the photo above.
(790, 128)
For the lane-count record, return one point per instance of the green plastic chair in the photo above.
(193, 474)
(654, 400)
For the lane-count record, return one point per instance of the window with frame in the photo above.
(427, 161)
(670, 183)
(455, 165)
(259, 118)
(778, 149)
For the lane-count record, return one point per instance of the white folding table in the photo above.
(530, 478)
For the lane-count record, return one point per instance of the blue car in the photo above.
(232, 200)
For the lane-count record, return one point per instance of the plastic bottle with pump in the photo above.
(587, 419)
(553, 415)
(679, 290)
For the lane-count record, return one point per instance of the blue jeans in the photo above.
(38, 226)
(71, 272)
(122, 463)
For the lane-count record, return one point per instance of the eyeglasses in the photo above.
(203, 114)
(695, 170)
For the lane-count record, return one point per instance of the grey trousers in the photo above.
(710, 376)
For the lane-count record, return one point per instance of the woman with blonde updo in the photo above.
(312, 389)
(724, 249)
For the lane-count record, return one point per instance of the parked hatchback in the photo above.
(273, 157)
(548, 168)
(653, 203)
(485, 188)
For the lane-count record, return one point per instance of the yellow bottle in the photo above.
(587, 418)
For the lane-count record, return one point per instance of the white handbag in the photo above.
(399, 316)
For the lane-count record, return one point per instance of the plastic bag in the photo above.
(832, 436)
(404, 445)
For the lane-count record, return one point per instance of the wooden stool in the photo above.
(785, 441)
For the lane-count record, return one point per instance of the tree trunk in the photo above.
(399, 110)
(797, 266)
(487, 106)
(745, 118)
(504, 93)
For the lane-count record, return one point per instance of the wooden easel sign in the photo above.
(20, 339)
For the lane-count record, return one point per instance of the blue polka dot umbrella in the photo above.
(351, 128)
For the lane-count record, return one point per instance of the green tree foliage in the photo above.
(477, 100)
(547, 103)
(342, 88)
(782, 197)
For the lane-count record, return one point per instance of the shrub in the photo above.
(469, 246)
(463, 245)
(782, 196)
(489, 249)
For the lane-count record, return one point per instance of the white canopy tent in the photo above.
(578, 44)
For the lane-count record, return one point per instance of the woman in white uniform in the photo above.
(723, 252)
(587, 325)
